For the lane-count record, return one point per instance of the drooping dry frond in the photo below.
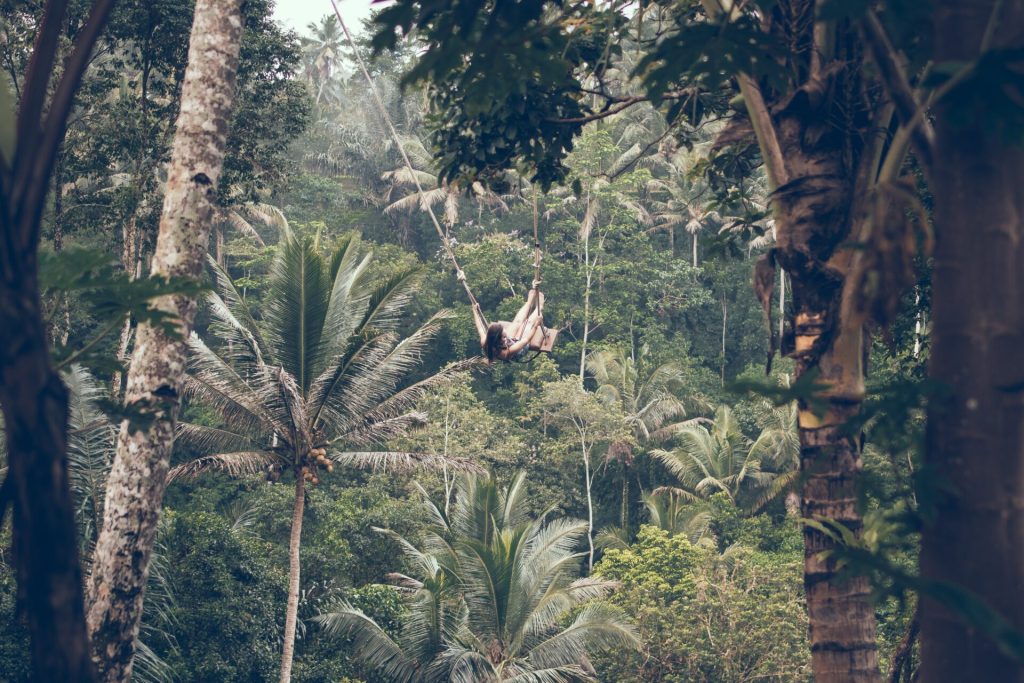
(235, 220)
(240, 464)
(369, 641)
(272, 217)
(401, 461)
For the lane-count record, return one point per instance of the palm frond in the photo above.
(206, 439)
(402, 461)
(215, 383)
(296, 308)
(597, 626)
(240, 464)
(272, 217)
(370, 642)
(235, 220)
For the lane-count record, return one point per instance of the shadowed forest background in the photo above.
(757, 452)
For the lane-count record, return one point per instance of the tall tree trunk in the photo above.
(35, 407)
(33, 398)
(138, 478)
(725, 322)
(590, 505)
(294, 567)
(586, 307)
(975, 439)
(814, 218)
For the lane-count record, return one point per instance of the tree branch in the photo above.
(37, 76)
(610, 111)
(922, 135)
(56, 118)
(760, 117)
(764, 131)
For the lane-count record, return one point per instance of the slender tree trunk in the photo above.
(782, 303)
(590, 505)
(138, 478)
(586, 307)
(129, 256)
(694, 240)
(901, 657)
(624, 513)
(725, 321)
(918, 324)
(294, 566)
(975, 439)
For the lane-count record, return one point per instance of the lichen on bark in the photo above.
(157, 370)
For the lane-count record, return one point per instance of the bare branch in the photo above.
(922, 135)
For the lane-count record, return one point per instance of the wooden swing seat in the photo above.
(543, 339)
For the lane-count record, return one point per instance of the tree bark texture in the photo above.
(137, 481)
(33, 398)
(975, 440)
(294, 576)
(816, 210)
(35, 406)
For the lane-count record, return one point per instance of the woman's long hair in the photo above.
(494, 342)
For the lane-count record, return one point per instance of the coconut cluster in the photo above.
(315, 461)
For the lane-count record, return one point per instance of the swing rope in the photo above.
(442, 234)
(408, 164)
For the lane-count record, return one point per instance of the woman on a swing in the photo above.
(510, 340)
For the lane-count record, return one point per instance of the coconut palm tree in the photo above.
(677, 512)
(778, 447)
(646, 397)
(490, 598)
(721, 459)
(436, 192)
(321, 51)
(316, 383)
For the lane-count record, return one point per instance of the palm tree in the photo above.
(646, 397)
(677, 512)
(721, 459)
(315, 385)
(320, 54)
(490, 598)
(778, 447)
(436, 192)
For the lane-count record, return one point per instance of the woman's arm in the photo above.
(478, 320)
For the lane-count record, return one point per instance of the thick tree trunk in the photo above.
(35, 405)
(814, 219)
(137, 481)
(975, 441)
(294, 567)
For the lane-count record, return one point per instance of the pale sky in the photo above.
(296, 14)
